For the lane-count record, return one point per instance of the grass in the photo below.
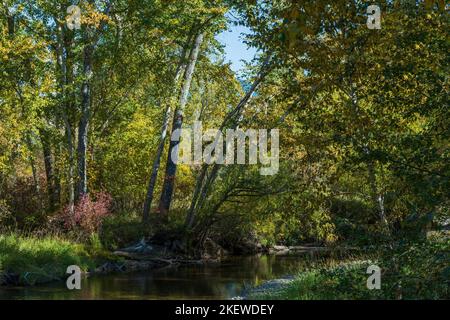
(41, 259)
(322, 283)
(416, 271)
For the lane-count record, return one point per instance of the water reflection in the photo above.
(214, 281)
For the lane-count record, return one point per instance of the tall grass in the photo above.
(39, 259)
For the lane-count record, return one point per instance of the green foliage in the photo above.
(418, 271)
(122, 230)
(41, 259)
(363, 117)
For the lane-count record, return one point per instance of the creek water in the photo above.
(210, 281)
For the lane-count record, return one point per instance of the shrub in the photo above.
(7, 219)
(24, 203)
(89, 213)
(123, 229)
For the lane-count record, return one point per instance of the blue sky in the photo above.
(235, 49)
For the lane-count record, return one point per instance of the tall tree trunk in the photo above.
(36, 184)
(377, 196)
(57, 177)
(91, 39)
(37, 187)
(83, 126)
(49, 172)
(162, 139)
(63, 82)
(10, 17)
(71, 169)
(155, 168)
(171, 167)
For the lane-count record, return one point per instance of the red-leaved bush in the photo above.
(89, 213)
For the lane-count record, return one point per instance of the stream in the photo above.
(210, 281)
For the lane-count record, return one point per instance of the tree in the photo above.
(171, 167)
